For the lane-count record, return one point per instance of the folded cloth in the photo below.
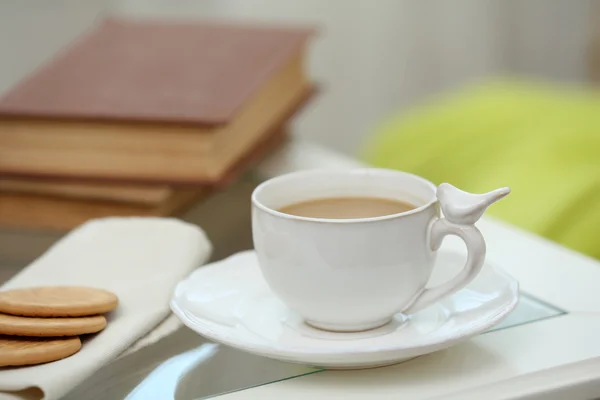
(140, 260)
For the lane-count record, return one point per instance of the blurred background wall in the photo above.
(370, 57)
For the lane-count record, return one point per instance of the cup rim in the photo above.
(256, 203)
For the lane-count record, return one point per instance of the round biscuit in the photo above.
(16, 351)
(50, 327)
(57, 301)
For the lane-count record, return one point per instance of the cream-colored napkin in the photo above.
(140, 260)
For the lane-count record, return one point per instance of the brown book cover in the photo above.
(198, 73)
(101, 112)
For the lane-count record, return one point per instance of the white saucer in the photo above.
(229, 302)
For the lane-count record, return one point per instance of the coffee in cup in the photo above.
(347, 207)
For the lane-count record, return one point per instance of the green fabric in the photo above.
(542, 141)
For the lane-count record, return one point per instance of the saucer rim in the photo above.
(272, 349)
(292, 352)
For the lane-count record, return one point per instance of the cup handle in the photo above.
(461, 210)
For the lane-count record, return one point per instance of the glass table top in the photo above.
(185, 366)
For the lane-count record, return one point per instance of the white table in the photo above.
(555, 358)
(539, 352)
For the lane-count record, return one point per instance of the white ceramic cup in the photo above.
(356, 274)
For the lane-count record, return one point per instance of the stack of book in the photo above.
(145, 118)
